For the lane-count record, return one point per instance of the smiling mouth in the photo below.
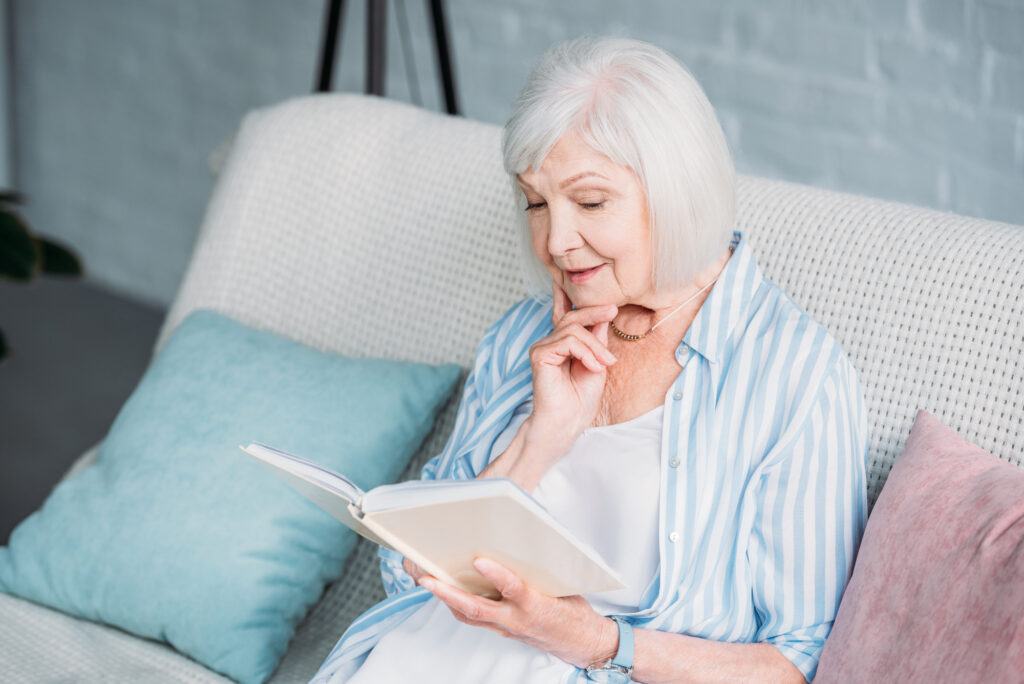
(583, 274)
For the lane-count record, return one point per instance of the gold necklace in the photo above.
(634, 338)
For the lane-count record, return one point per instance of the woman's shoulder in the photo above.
(524, 322)
(507, 341)
(800, 341)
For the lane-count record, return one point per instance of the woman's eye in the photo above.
(534, 205)
(591, 205)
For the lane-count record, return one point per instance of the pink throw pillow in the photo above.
(937, 593)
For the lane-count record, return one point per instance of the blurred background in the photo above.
(110, 109)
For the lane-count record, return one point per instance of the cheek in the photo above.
(537, 243)
(633, 264)
(539, 246)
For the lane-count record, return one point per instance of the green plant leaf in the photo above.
(19, 254)
(57, 258)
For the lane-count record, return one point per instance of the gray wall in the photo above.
(117, 103)
(6, 172)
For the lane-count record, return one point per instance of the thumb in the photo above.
(503, 579)
(601, 331)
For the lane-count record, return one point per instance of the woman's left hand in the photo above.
(566, 627)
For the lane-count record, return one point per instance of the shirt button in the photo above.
(673, 537)
(674, 463)
(677, 396)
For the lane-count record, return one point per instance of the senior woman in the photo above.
(664, 400)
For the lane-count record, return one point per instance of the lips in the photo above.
(578, 276)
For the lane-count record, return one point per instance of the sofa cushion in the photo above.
(175, 534)
(937, 591)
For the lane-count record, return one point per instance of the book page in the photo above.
(308, 470)
(330, 491)
(418, 492)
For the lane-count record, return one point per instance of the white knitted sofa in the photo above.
(368, 227)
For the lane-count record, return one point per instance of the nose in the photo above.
(563, 234)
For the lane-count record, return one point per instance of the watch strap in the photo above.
(624, 656)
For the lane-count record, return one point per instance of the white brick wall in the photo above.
(118, 102)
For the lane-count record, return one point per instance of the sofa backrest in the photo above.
(368, 227)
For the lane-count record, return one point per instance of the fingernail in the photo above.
(428, 584)
(482, 566)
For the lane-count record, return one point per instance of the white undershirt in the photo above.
(605, 490)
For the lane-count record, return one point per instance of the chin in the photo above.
(581, 298)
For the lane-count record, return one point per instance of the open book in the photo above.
(442, 525)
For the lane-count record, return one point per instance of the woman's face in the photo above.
(589, 225)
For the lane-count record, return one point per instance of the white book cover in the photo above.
(442, 525)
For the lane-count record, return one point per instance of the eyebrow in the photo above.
(568, 181)
(572, 179)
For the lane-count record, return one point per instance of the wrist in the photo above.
(535, 457)
(523, 462)
(616, 668)
(546, 444)
(607, 645)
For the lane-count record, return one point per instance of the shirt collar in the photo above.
(726, 304)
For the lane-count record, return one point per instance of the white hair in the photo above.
(640, 107)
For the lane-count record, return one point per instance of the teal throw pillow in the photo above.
(177, 535)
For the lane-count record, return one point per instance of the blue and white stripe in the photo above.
(763, 459)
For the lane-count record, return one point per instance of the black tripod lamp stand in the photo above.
(376, 33)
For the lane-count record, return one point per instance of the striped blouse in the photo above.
(763, 487)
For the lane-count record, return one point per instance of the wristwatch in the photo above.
(618, 669)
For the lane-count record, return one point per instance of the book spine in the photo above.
(358, 523)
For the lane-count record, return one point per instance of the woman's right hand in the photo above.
(569, 371)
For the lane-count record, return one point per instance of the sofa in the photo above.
(368, 227)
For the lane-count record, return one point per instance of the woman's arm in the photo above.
(570, 629)
(668, 657)
(525, 460)
(569, 372)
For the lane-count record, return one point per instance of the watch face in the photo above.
(608, 676)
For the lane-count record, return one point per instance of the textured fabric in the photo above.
(177, 535)
(937, 593)
(361, 225)
(604, 490)
(763, 455)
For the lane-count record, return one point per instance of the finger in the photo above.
(557, 352)
(558, 299)
(599, 348)
(473, 607)
(588, 316)
(563, 305)
(585, 354)
(494, 628)
(424, 578)
(566, 302)
(504, 580)
(601, 332)
(415, 571)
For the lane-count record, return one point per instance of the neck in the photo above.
(661, 309)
